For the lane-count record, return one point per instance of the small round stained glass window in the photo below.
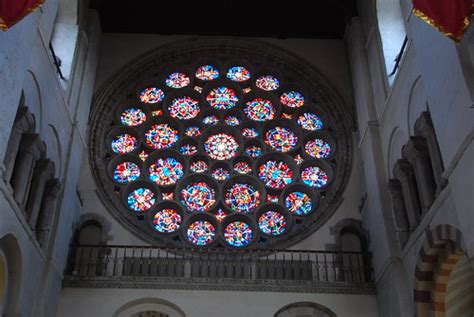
(207, 73)
(242, 167)
(188, 149)
(238, 234)
(167, 220)
(318, 148)
(242, 198)
(161, 136)
(184, 108)
(232, 121)
(272, 223)
(124, 143)
(281, 139)
(198, 196)
(292, 99)
(211, 120)
(152, 95)
(201, 233)
(299, 203)
(275, 174)
(177, 80)
(260, 110)
(310, 121)
(221, 146)
(141, 199)
(238, 74)
(220, 174)
(222, 98)
(193, 131)
(166, 171)
(126, 172)
(250, 133)
(253, 150)
(199, 166)
(133, 117)
(314, 176)
(267, 83)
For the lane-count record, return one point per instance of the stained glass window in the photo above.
(166, 171)
(177, 80)
(272, 223)
(238, 74)
(207, 72)
(152, 95)
(204, 165)
(222, 98)
(198, 196)
(184, 108)
(238, 234)
(260, 110)
(201, 232)
(167, 220)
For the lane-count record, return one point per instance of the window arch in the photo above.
(11, 274)
(304, 309)
(154, 307)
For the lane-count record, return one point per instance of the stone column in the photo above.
(424, 128)
(416, 151)
(404, 172)
(43, 171)
(48, 207)
(400, 216)
(30, 150)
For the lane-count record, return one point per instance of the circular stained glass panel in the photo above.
(250, 133)
(166, 171)
(193, 131)
(314, 176)
(161, 136)
(238, 74)
(238, 234)
(184, 108)
(167, 220)
(221, 146)
(292, 99)
(211, 120)
(141, 199)
(198, 166)
(272, 223)
(220, 174)
(201, 233)
(177, 80)
(310, 121)
(275, 174)
(260, 110)
(242, 197)
(152, 95)
(188, 149)
(299, 203)
(267, 83)
(126, 172)
(198, 196)
(207, 72)
(318, 148)
(124, 143)
(222, 98)
(281, 139)
(132, 117)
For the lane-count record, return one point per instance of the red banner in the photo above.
(450, 17)
(12, 11)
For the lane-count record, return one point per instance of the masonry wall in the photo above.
(60, 109)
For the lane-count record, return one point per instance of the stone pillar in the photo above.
(30, 150)
(404, 172)
(47, 209)
(416, 151)
(24, 123)
(43, 171)
(424, 128)
(400, 216)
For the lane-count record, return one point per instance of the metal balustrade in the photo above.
(279, 267)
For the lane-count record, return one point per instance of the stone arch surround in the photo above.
(151, 64)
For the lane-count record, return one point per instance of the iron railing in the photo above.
(314, 267)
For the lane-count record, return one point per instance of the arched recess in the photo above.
(392, 30)
(33, 99)
(12, 273)
(417, 103)
(146, 305)
(93, 220)
(442, 248)
(307, 309)
(398, 138)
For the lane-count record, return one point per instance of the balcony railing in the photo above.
(260, 270)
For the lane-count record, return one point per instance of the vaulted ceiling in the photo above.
(253, 18)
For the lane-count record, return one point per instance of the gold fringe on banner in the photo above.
(4, 26)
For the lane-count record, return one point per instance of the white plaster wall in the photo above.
(104, 302)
